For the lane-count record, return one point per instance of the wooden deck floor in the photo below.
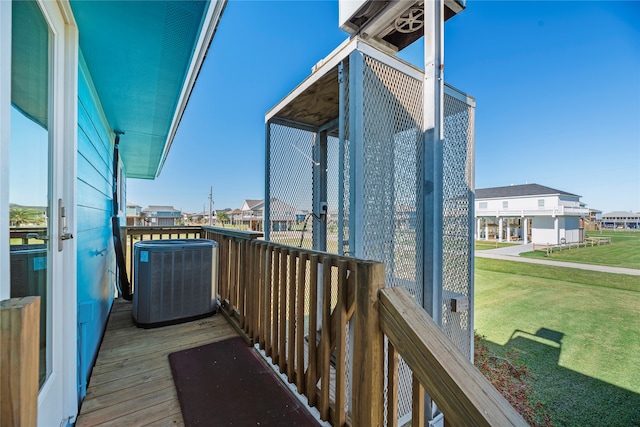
(131, 383)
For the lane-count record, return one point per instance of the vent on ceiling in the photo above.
(394, 24)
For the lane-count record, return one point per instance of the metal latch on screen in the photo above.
(63, 230)
(459, 302)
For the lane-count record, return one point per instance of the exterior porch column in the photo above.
(486, 229)
(478, 228)
(556, 231)
(525, 230)
(508, 229)
(500, 226)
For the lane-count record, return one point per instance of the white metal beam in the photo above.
(433, 93)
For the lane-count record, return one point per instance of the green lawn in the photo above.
(623, 251)
(578, 331)
(482, 245)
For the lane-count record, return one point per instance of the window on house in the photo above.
(541, 203)
(483, 205)
(505, 205)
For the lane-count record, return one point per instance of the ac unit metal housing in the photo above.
(175, 281)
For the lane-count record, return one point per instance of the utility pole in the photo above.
(211, 205)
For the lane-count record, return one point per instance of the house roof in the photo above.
(144, 58)
(254, 203)
(620, 214)
(151, 208)
(525, 190)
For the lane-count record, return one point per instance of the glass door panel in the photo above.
(30, 166)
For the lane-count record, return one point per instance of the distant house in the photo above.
(283, 215)
(528, 213)
(593, 220)
(594, 215)
(251, 215)
(164, 216)
(235, 216)
(134, 215)
(199, 218)
(621, 219)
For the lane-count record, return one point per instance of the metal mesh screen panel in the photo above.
(290, 185)
(391, 233)
(392, 115)
(457, 221)
(333, 171)
(345, 171)
(386, 222)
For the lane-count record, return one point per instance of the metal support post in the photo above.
(356, 154)
(319, 191)
(433, 93)
(266, 211)
(433, 97)
(341, 155)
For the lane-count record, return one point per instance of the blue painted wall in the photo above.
(96, 259)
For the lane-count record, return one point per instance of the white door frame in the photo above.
(57, 400)
(5, 137)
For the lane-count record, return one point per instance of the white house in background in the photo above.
(528, 213)
(165, 216)
(251, 214)
(134, 215)
(621, 219)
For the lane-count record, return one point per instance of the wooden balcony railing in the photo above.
(463, 394)
(26, 235)
(19, 351)
(299, 305)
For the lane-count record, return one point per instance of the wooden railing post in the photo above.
(367, 400)
(462, 393)
(19, 353)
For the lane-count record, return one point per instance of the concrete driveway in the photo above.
(512, 253)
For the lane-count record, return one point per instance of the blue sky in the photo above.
(557, 86)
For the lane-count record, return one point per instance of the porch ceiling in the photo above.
(318, 104)
(143, 57)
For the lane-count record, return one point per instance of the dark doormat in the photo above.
(227, 383)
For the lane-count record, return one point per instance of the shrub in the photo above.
(511, 378)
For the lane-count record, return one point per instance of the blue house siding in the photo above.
(95, 259)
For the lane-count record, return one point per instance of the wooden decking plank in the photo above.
(163, 332)
(160, 347)
(131, 383)
(126, 367)
(114, 386)
(153, 346)
(126, 409)
(173, 417)
(126, 394)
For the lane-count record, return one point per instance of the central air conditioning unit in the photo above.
(393, 24)
(175, 281)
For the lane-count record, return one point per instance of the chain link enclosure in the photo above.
(351, 136)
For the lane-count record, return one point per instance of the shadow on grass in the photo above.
(569, 397)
